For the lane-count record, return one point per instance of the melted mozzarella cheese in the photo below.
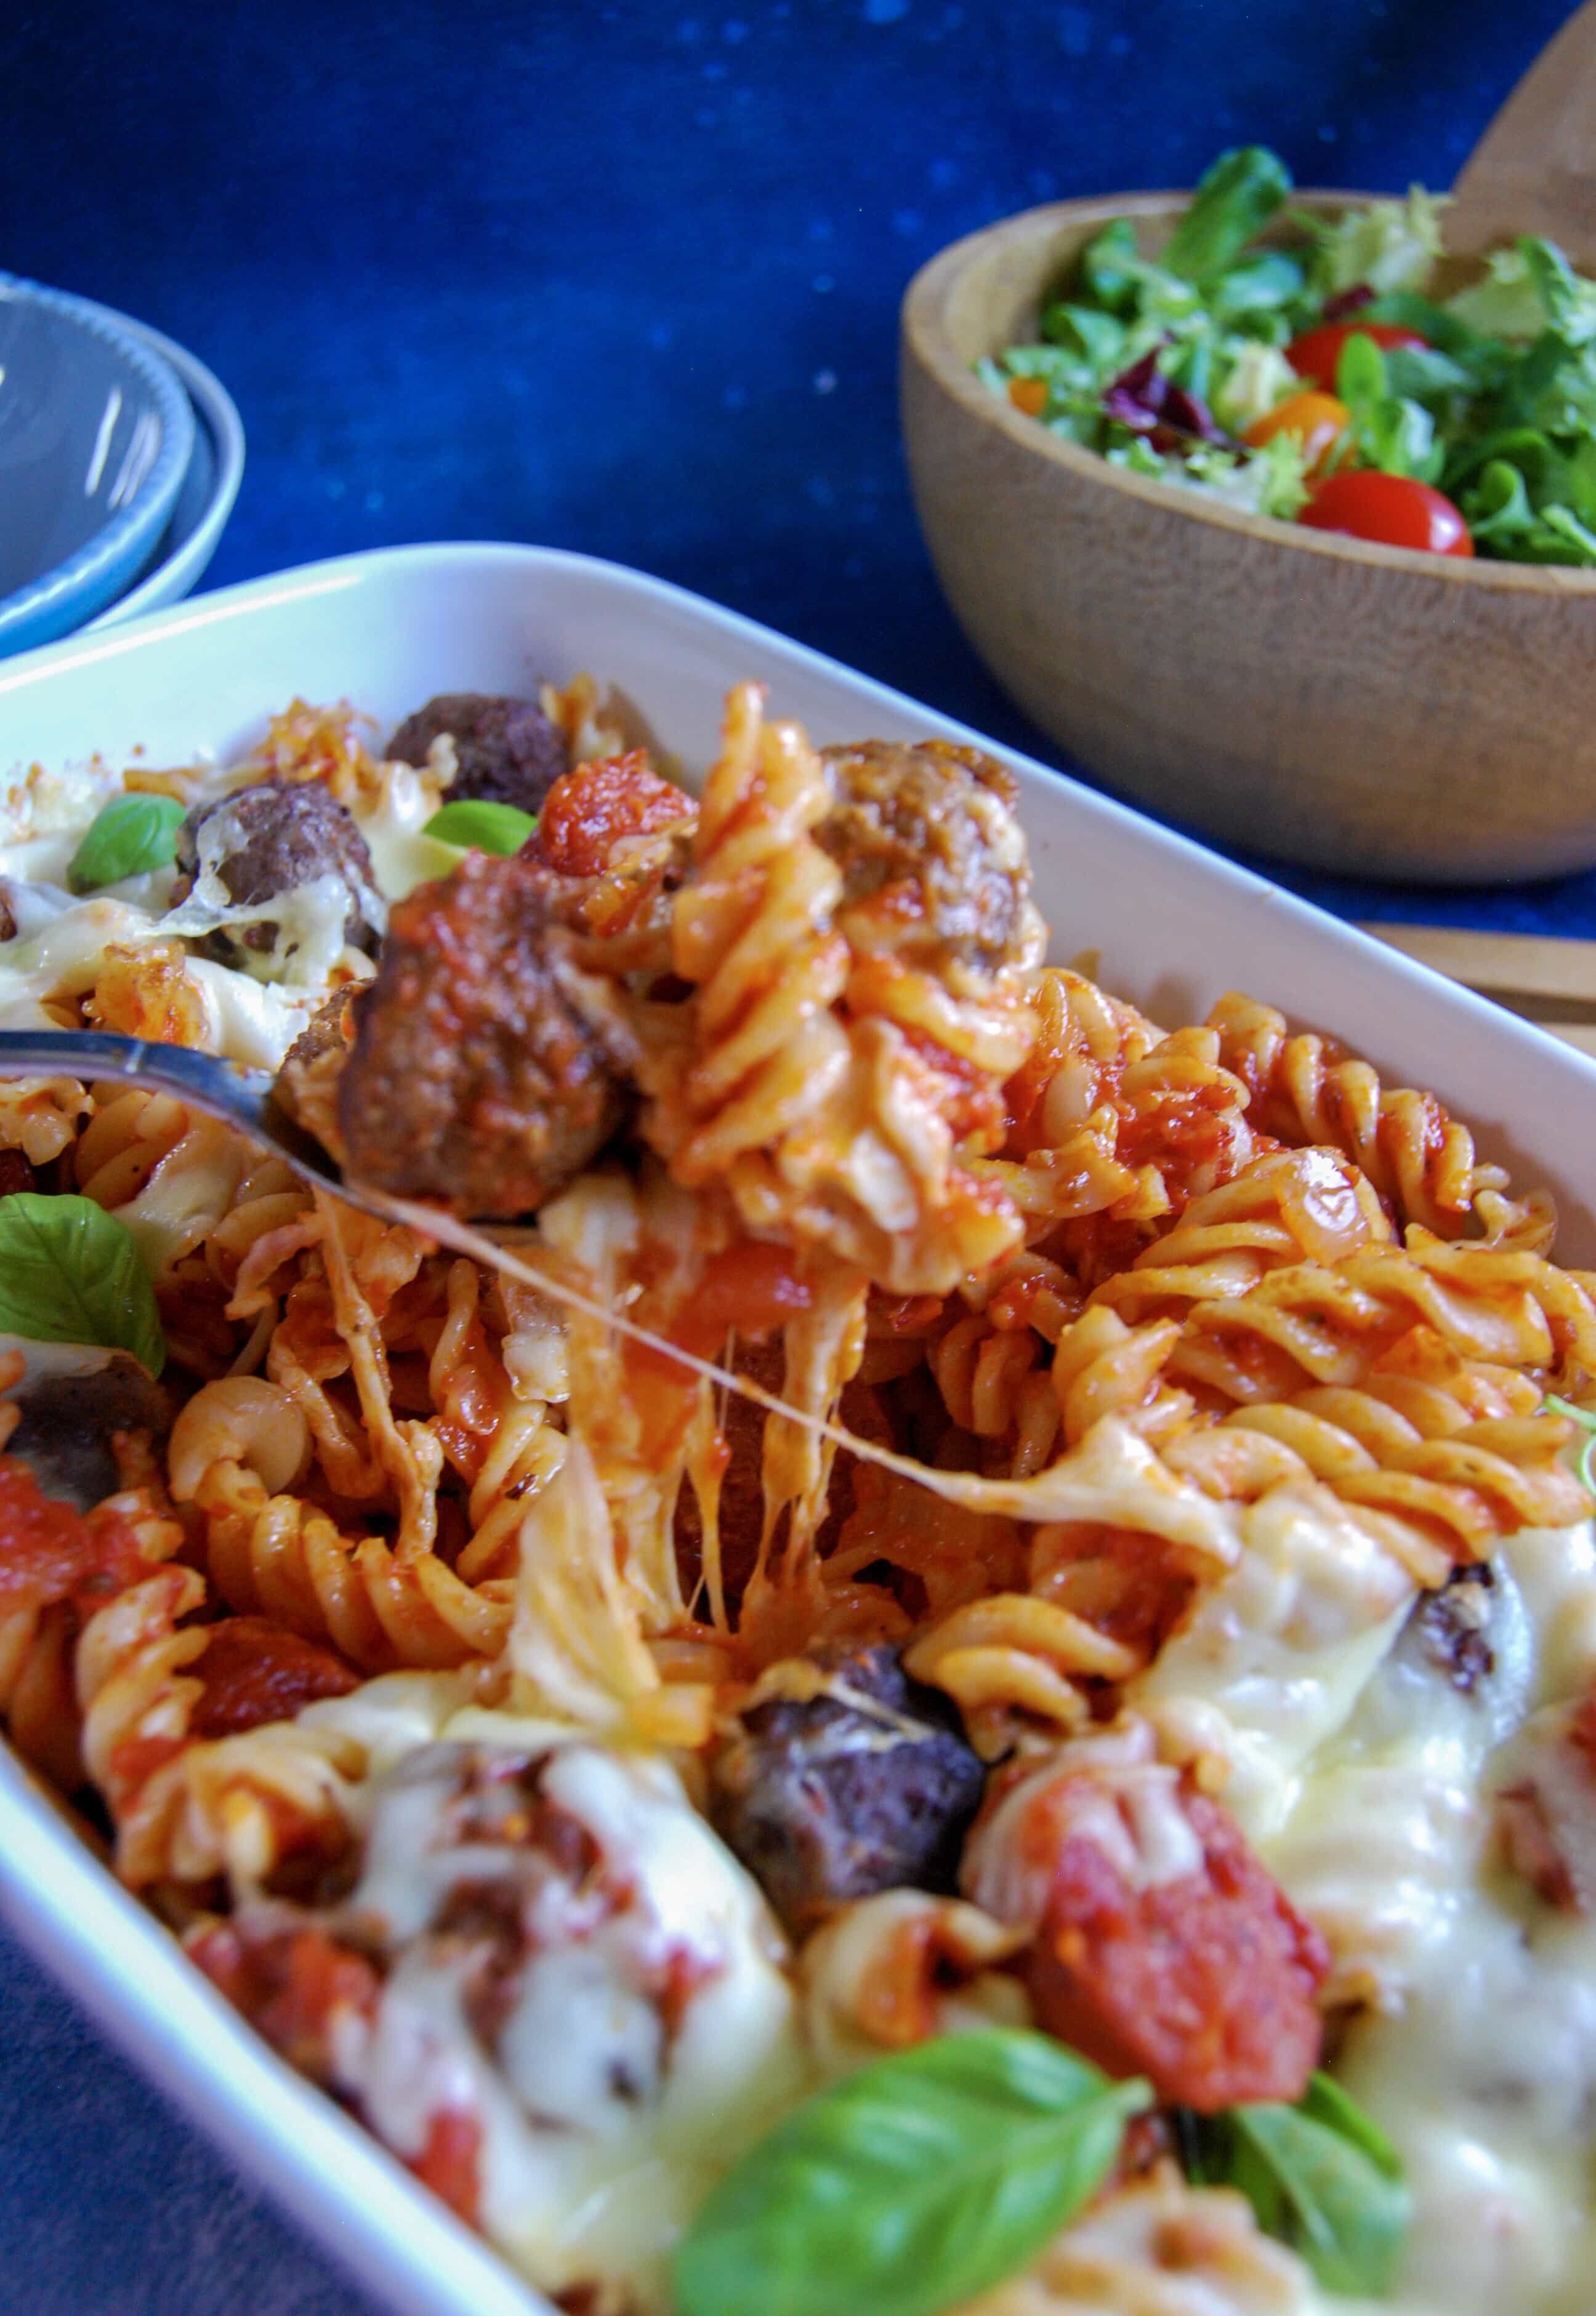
(603, 2116)
(401, 857)
(1477, 2051)
(1273, 1657)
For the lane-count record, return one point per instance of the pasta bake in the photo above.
(955, 1670)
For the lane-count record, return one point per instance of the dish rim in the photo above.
(923, 336)
(129, 534)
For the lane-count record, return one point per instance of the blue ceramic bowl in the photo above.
(209, 488)
(96, 432)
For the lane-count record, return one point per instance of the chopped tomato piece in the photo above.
(1160, 1945)
(293, 1986)
(750, 1287)
(1029, 395)
(51, 1551)
(449, 2162)
(255, 1671)
(594, 808)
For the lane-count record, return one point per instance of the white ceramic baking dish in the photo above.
(1175, 926)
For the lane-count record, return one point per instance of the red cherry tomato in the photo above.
(1394, 509)
(1317, 352)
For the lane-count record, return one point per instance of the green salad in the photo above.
(1314, 377)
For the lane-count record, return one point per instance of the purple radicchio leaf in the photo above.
(1147, 402)
(1347, 301)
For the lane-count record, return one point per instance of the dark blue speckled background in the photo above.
(624, 279)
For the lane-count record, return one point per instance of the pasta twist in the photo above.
(831, 1124)
(1014, 1653)
(380, 1605)
(1156, 2247)
(40, 1116)
(1110, 1117)
(38, 1700)
(1305, 1088)
(186, 1809)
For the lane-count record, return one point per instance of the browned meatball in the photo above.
(842, 1795)
(505, 750)
(267, 840)
(67, 1420)
(474, 1078)
(930, 831)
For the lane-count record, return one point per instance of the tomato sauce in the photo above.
(51, 1551)
(593, 808)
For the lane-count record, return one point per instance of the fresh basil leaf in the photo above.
(1328, 2102)
(910, 2186)
(1319, 2176)
(126, 836)
(476, 826)
(1235, 200)
(71, 1273)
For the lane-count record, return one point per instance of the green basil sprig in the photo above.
(1586, 1466)
(126, 836)
(1321, 2176)
(476, 826)
(910, 2186)
(71, 1273)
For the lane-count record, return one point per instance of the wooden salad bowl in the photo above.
(1360, 707)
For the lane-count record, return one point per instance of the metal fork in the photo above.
(246, 1099)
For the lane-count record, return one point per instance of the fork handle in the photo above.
(220, 1087)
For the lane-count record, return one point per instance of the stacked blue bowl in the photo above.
(120, 460)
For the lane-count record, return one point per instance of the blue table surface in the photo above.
(623, 278)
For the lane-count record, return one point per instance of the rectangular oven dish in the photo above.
(1174, 927)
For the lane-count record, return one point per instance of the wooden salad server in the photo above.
(1534, 170)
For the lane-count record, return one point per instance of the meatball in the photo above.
(271, 839)
(928, 835)
(67, 1420)
(476, 1078)
(505, 750)
(1453, 1626)
(867, 1786)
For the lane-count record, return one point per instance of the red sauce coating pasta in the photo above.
(292, 1986)
(50, 1551)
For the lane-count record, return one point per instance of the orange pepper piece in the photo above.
(1317, 420)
